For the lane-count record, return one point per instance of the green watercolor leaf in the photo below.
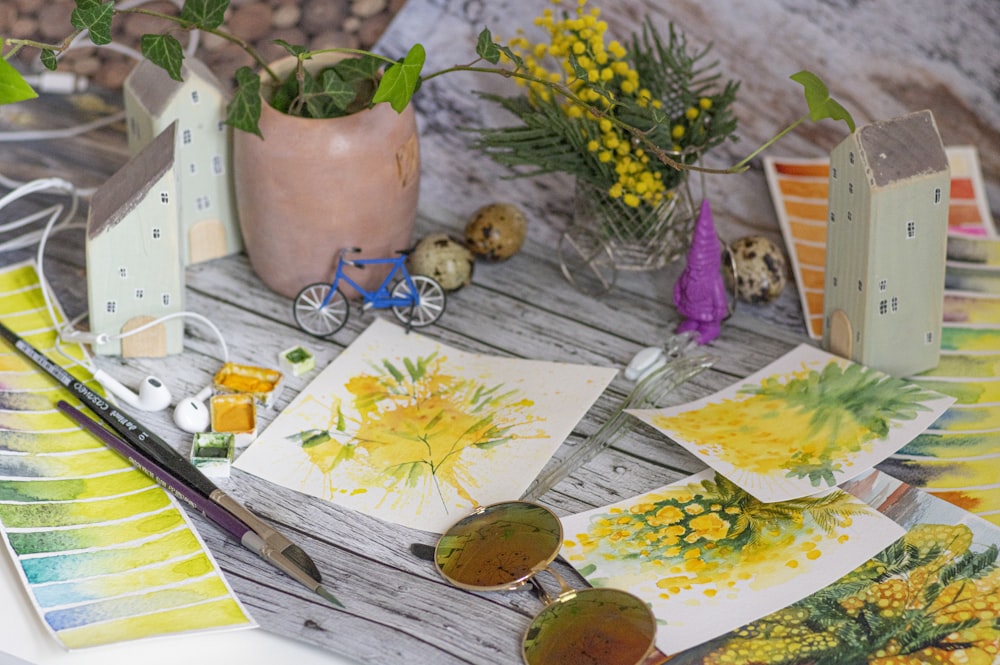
(486, 48)
(96, 18)
(13, 87)
(205, 13)
(821, 104)
(165, 51)
(243, 111)
(401, 80)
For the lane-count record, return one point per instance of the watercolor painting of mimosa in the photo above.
(404, 428)
(805, 423)
(933, 596)
(708, 557)
(104, 553)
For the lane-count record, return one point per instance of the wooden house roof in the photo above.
(902, 148)
(130, 184)
(154, 88)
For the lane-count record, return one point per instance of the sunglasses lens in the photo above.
(593, 626)
(499, 546)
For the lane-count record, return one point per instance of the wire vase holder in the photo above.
(607, 235)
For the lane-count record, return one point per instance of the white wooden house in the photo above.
(153, 100)
(134, 268)
(885, 252)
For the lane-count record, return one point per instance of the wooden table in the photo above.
(880, 58)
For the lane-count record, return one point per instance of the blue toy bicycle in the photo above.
(322, 309)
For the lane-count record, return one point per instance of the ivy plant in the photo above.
(359, 81)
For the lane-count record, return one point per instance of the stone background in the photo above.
(314, 23)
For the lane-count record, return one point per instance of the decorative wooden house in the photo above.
(134, 268)
(885, 254)
(153, 100)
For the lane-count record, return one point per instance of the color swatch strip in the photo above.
(105, 554)
(958, 457)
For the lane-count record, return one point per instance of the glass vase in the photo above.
(608, 235)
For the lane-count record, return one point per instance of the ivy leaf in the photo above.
(205, 13)
(96, 18)
(330, 91)
(48, 57)
(486, 49)
(359, 69)
(243, 111)
(13, 87)
(821, 104)
(293, 49)
(514, 57)
(400, 81)
(165, 51)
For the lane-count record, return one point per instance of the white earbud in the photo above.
(153, 395)
(191, 413)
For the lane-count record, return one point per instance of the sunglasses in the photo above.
(505, 545)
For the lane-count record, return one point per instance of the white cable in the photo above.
(68, 332)
(67, 132)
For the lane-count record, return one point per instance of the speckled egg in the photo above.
(496, 231)
(445, 259)
(760, 269)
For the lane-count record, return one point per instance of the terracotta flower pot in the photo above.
(314, 186)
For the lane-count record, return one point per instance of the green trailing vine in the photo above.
(347, 88)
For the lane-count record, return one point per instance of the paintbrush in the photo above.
(276, 548)
(211, 510)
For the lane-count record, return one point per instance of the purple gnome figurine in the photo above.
(700, 293)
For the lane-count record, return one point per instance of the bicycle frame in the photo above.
(381, 297)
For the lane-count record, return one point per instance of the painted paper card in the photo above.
(805, 423)
(930, 597)
(799, 190)
(404, 428)
(708, 557)
(104, 553)
(958, 457)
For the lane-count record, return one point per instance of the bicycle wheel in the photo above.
(317, 320)
(429, 305)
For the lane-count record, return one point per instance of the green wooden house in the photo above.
(134, 269)
(885, 245)
(153, 100)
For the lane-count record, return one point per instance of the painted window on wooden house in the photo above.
(164, 197)
(186, 137)
(883, 284)
(111, 306)
(937, 195)
(203, 203)
(139, 294)
(883, 307)
(218, 165)
(911, 229)
(165, 299)
(929, 337)
(156, 233)
(123, 272)
(192, 168)
(195, 97)
(895, 303)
